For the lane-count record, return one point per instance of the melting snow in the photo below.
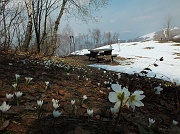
(140, 55)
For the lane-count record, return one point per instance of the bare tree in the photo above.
(29, 28)
(108, 37)
(96, 36)
(38, 11)
(115, 37)
(81, 9)
(9, 19)
(46, 45)
(4, 25)
(167, 23)
(64, 40)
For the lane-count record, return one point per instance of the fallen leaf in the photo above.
(4, 125)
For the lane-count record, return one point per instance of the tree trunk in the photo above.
(29, 26)
(37, 10)
(5, 29)
(57, 25)
(28, 34)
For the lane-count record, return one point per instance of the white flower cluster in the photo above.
(47, 63)
(17, 94)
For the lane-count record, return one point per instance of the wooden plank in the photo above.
(100, 50)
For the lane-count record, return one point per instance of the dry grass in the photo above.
(176, 45)
(148, 48)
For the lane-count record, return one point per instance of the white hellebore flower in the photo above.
(84, 97)
(4, 107)
(18, 94)
(90, 112)
(158, 90)
(14, 85)
(56, 105)
(28, 79)
(55, 101)
(56, 113)
(119, 96)
(135, 99)
(73, 102)
(9, 96)
(174, 122)
(151, 121)
(17, 76)
(39, 102)
(47, 83)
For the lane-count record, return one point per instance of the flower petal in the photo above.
(113, 97)
(138, 103)
(138, 92)
(138, 95)
(132, 106)
(116, 87)
(117, 105)
(126, 92)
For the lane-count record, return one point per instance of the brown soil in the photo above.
(23, 118)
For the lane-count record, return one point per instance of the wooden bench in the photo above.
(94, 53)
(101, 54)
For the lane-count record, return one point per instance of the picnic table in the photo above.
(100, 54)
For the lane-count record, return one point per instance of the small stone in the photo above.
(98, 117)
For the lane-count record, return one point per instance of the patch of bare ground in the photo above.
(123, 58)
(148, 48)
(142, 57)
(71, 78)
(163, 41)
(133, 44)
(176, 45)
(178, 55)
(124, 61)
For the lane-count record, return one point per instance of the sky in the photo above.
(131, 18)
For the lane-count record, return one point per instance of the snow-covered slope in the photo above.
(160, 35)
(140, 55)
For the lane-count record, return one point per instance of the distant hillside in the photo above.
(160, 35)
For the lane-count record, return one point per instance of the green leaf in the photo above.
(155, 130)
